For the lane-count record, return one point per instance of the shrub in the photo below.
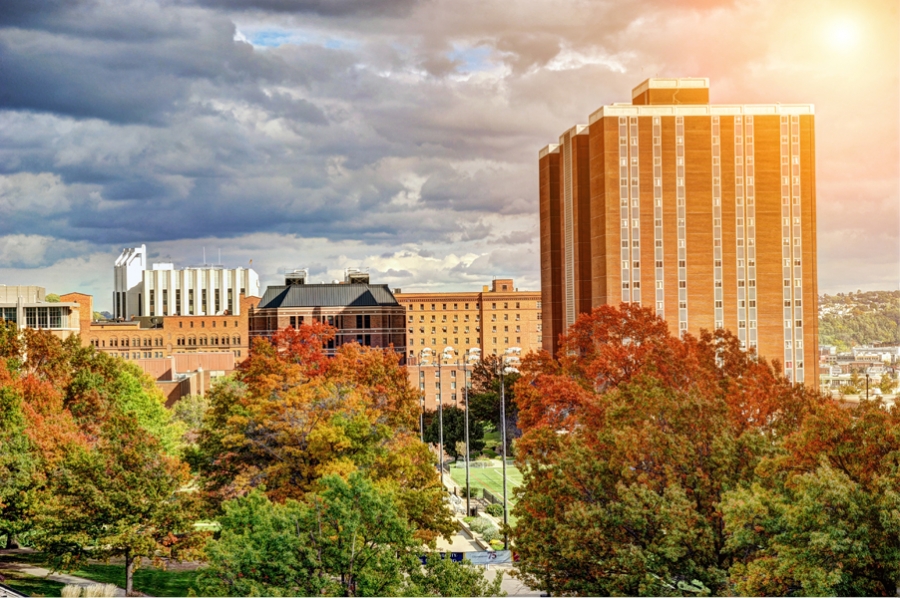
(480, 524)
(491, 533)
(496, 544)
(494, 509)
(474, 491)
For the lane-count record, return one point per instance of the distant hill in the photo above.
(851, 319)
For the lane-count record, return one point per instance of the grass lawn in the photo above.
(148, 580)
(32, 586)
(488, 477)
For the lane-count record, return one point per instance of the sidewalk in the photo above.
(36, 571)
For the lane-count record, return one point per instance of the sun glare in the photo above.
(843, 34)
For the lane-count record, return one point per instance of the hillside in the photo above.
(850, 319)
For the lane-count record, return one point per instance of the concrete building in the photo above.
(26, 307)
(492, 321)
(704, 213)
(364, 313)
(163, 290)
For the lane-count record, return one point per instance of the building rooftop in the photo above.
(327, 295)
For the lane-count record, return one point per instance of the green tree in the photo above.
(455, 431)
(484, 398)
(822, 517)
(346, 539)
(124, 497)
(19, 468)
(51, 298)
(443, 577)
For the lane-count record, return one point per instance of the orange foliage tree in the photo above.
(291, 416)
(630, 440)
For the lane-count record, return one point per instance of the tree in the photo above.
(444, 577)
(822, 517)
(291, 416)
(125, 497)
(887, 383)
(90, 472)
(630, 440)
(346, 539)
(484, 398)
(455, 432)
(51, 298)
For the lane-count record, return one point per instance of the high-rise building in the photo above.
(704, 213)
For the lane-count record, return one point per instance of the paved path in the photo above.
(36, 571)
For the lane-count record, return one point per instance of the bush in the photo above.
(491, 533)
(494, 509)
(474, 492)
(480, 524)
(496, 544)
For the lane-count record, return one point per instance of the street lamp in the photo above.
(424, 354)
(510, 356)
(446, 355)
(471, 355)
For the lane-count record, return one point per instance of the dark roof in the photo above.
(328, 295)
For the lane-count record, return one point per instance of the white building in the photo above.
(163, 290)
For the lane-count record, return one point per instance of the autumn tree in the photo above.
(125, 497)
(92, 472)
(821, 518)
(291, 416)
(630, 440)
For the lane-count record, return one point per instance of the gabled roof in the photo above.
(328, 295)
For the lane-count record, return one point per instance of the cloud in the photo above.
(400, 135)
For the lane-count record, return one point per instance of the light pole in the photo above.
(423, 355)
(468, 358)
(509, 356)
(445, 355)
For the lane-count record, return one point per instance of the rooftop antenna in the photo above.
(204, 256)
(220, 256)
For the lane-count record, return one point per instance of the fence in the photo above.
(489, 496)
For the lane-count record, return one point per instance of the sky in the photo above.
(396, 135)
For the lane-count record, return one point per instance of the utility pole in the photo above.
(503, 441)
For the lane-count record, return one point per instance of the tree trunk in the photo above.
(11, 541)
(129, 571)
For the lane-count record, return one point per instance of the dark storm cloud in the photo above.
(138, 64)
(328, 8)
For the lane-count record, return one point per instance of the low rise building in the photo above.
(160, 289)
(498, 320)
(27, 307)
(360, 312)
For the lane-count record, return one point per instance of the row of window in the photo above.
(518, 305)
(158, 341)
(203, 324)
(148, 354)
(468, 341)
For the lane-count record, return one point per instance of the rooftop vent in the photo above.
(355, 276)
(296, 277)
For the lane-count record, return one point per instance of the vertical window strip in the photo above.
(634, 206)
(680, 199)
(625, 208)
(657, 218)
(786, 255)
(796, 249)
(750, 222)
(569, 226)
(739, 222)
(717, 223)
